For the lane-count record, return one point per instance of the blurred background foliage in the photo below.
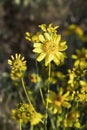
(19, 16)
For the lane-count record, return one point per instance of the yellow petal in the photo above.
(66, 104)
(47, 36)
(41, 38)
(48, 59)
(37, 50)
(62, 46)
(41, 57)
(56, 60)
(9, 62)
(37, 44)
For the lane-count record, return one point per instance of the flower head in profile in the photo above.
(18, 66)
(48, 45)
(57, 101)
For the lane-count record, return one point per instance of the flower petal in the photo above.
(47, 36)
(41, 57)
(62, 46)
(48, 59)
(56, 60)
(37, 50)
(41, 38)
(37, 45)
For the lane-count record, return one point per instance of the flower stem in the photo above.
(23, 84)
(20, 126)
(31, 127)
(42, 97)
(49, 75)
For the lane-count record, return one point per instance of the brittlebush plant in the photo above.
(60, 97)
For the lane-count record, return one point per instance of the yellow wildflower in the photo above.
(83, 86)
(72, 119)
(26, 113)
(50, 48)
(81, 97)
(80, 58)
(34, 78)
(18, 66)
(74, 29)
(36, 118)
(72, 77)
(57, 101)
(48, 45)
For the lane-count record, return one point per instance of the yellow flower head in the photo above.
(34, 78)
(80, 58)
(72, 119)
(57, 101)
(74, 29)
(48, 45)
(25, 113)
(50, 48)
(18, 66)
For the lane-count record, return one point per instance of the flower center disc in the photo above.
(50, 47)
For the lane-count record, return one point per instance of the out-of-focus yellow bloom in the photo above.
(80, 58)
(83, 86)
(47, 45)
(18, 66)
(74, 29)
(81, 97)
(55, 77)
(72, 119)
(34, 78)
(72, 77)
(25, 113)
(57, 101)
(36, 118)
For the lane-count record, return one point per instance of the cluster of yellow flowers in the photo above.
(71, 88)
(25, 113)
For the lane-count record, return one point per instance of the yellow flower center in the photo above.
(50, 47)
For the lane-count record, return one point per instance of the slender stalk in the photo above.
(31, 127)
(49, 76)
(42, 97)
(20, 126)
(23, 84)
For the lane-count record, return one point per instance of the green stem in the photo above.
(49, 76)
(20, 126)
(23, 84)
(42, 97)
(31, 127)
